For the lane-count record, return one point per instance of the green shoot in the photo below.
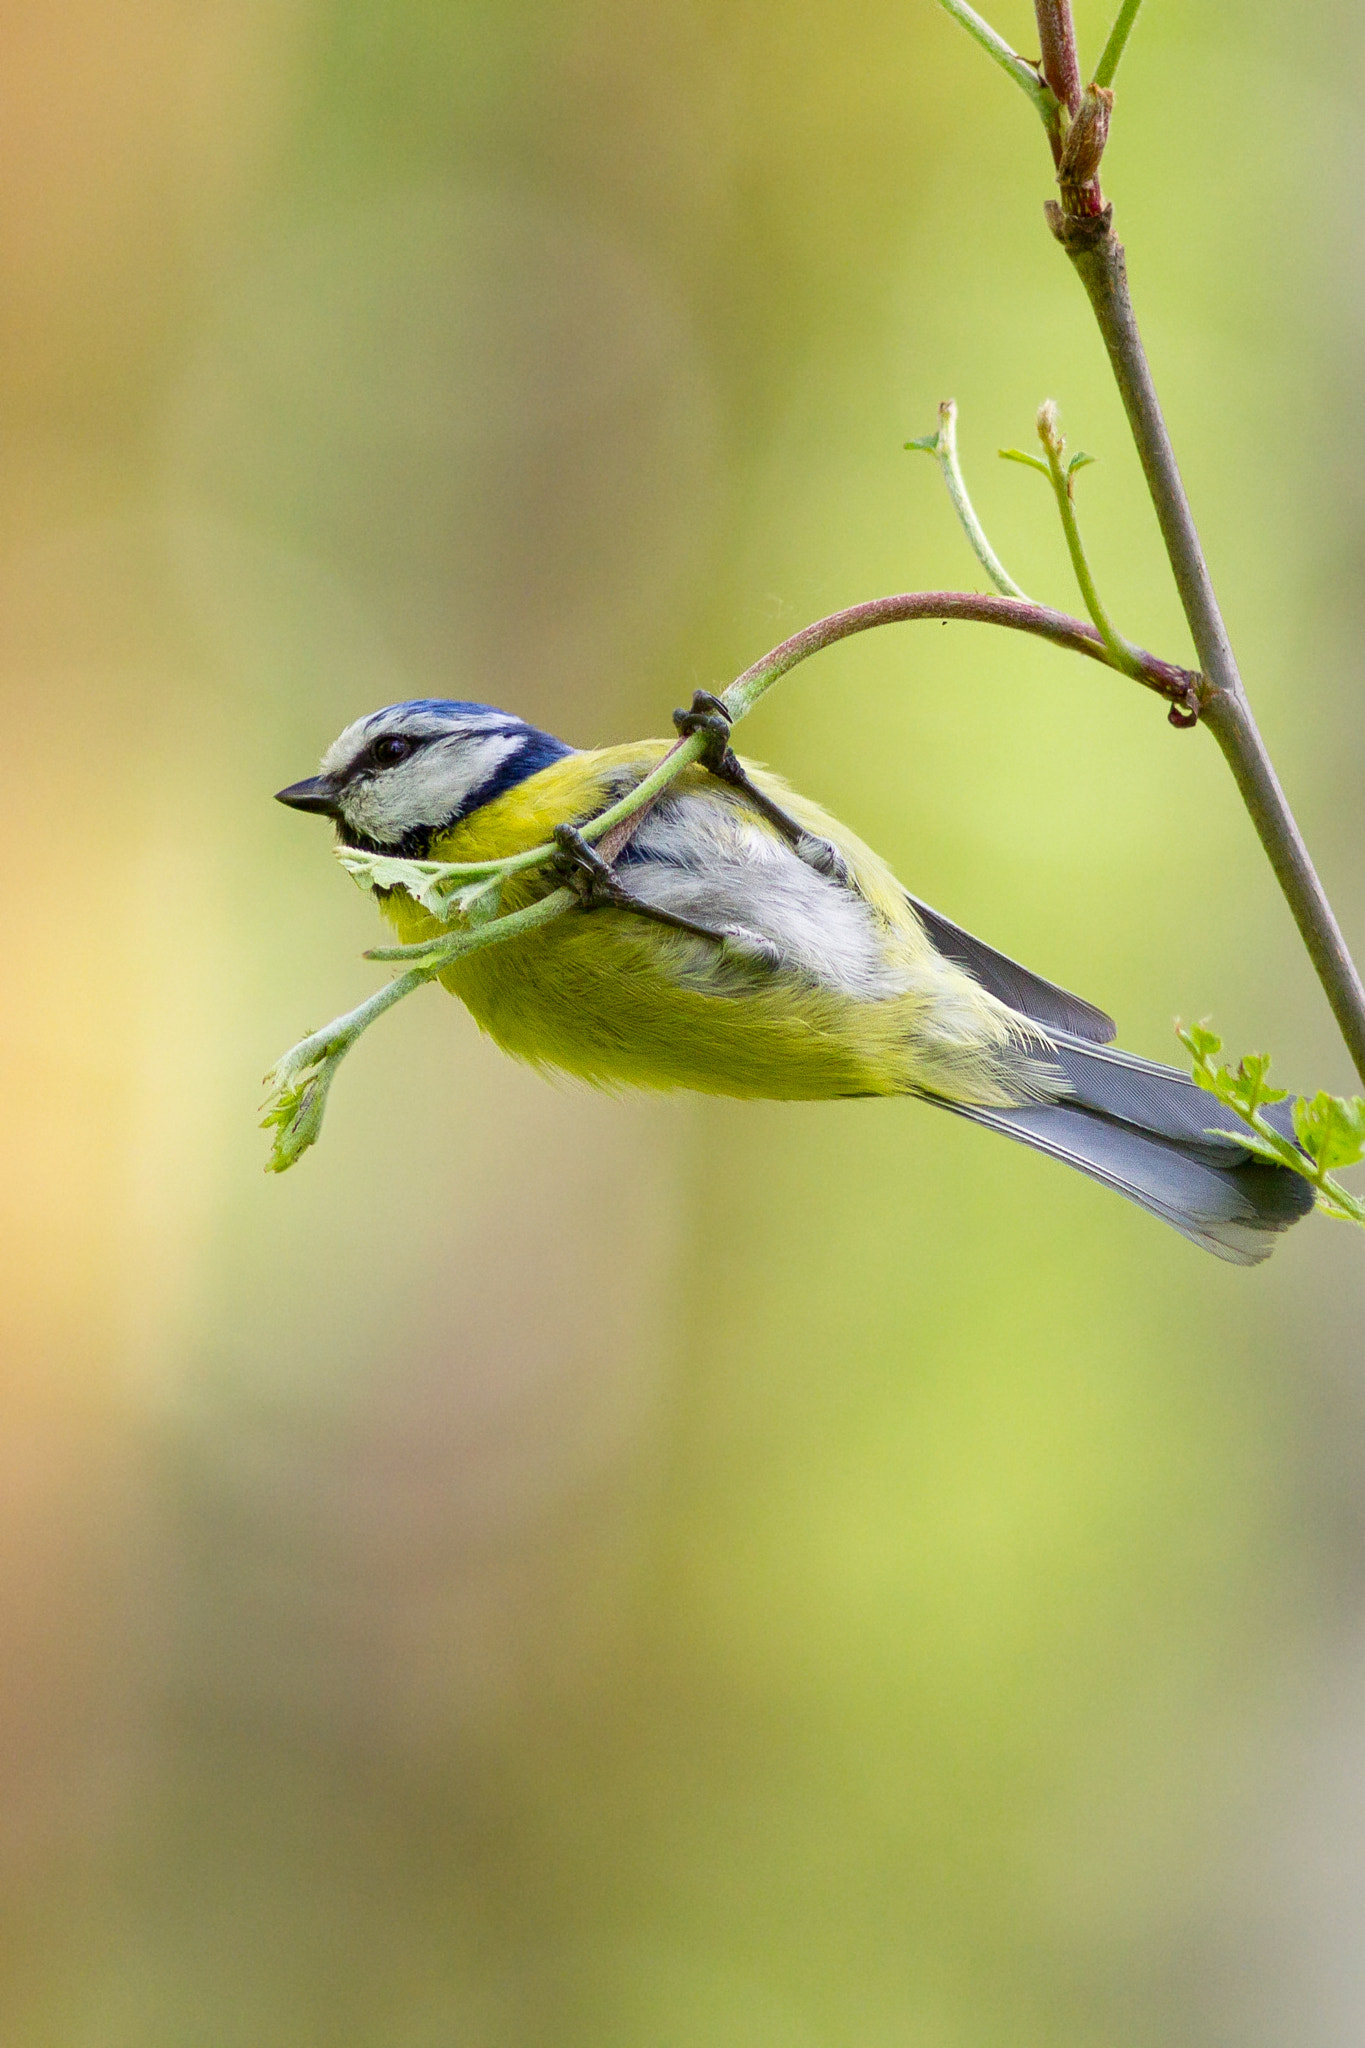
(1117, 43)
(994, 44)
(943, 447)
(1061, 476)
(299, 1082)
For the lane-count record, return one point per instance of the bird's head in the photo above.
(395, 780)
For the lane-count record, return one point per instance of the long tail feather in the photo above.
(1149, 1133)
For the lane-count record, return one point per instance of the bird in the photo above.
(746, 943)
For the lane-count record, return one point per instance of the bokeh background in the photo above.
(557, 1572)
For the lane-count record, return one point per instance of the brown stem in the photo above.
(1061, 67)
(1180, 686)
(1098, 258)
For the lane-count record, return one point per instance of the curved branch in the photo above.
(1181, 686)
(611, 830)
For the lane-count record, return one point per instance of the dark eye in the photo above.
(393, 749)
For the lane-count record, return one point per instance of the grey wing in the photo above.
(703, 856)
(1023, 991)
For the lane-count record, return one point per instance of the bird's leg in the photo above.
(593, 881)
(597, 888)
(708, 715)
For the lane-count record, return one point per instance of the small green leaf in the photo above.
(1275, 1150)
(381, 871)
(1080, 460)
(1331, 1129)
(478, 903)
(1243, 1088)
(1029, 461)
(1251, 1080)
(1202, 1045)
(928, 445)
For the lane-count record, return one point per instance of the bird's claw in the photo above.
(710, 716)
(597, 888)
(821, 855)
(741, 943)
(584, 869)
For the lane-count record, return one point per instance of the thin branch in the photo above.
(1117, 43)
(943, 447)
(1023, 74)
(1099, 261)
(1180, 685)
(300, 1081)
(1060, 66)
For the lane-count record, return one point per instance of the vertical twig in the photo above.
(943, 447)
(1098, 257)
(1081, 224)
(1060, 65)
(1063, 478)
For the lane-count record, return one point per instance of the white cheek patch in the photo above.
(428, 790)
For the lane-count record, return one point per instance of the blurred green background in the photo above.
(557, 1572)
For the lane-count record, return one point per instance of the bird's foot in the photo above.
(823, 856)
(738, 942)
(710, 716)
(597, 888)
(584, 869)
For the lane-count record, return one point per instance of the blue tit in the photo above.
(746, 943)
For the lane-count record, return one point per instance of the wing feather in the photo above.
(1028, 993)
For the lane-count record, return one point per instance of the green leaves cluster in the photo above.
(295, 1115)
(1330, 1128)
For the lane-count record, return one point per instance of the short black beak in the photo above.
(316, 794)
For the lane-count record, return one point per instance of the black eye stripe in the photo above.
(391, 748)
